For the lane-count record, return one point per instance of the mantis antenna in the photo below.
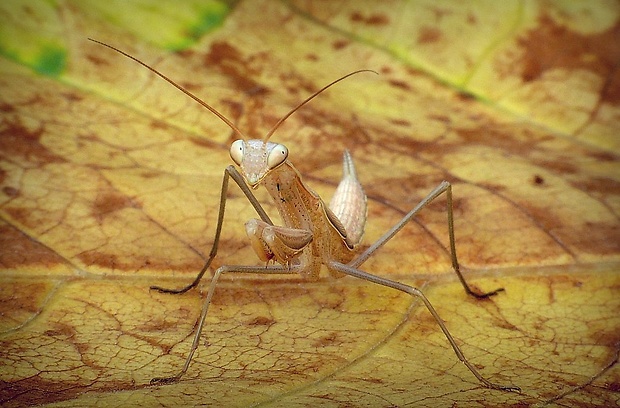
(215, 111)
(308, 99)
(179, 87)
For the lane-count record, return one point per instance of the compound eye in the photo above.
(236, 151)
(277, 156)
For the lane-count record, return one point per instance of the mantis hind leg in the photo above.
(417, 293)
(443, 187)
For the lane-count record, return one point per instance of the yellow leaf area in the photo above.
(110, 182)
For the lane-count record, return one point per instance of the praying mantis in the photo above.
(314, 235)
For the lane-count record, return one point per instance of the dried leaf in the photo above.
(110, 183)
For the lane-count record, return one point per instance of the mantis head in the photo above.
(257, 158)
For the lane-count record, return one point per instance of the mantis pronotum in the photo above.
(314, 234)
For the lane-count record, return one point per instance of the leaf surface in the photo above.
(110, 181)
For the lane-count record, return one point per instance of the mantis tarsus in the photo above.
(313, 235)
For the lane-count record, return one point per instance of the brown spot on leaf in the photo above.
(113, 261)
(100, 259)
(232, 64)
(61, 330)
(17, 140)
(400, 84)
(191, 86)
(330, 339)
(22, 297)
(149, 174)
(494, 187)
(158, 124)
(495, 137)
(19, 250)
(371, 19)
(611, 90)
(601, 238)
(21, 215)
(186, 53)
(34, 391)
(261, 321)
(163, 323)
(221, 51)
(198, 141)
(559, 165)
(429, 35)
(603, 156)
(601, 185)
(440, 118)
(465, 96)
(10, 191)
(95, 59)
(611, 340)
(72, 97)
(552, 45)
(6, 108)
(538, 180)
(340, 44)
(109, 202)
(547, 219)
(400, 122)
